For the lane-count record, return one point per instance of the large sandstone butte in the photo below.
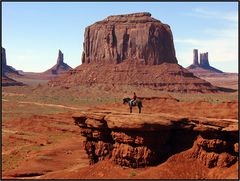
(60, 66)
(133, 49)
(125, 37)
(139, 140)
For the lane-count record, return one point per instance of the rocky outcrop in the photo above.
(6, 69)
(139, 140)
(131, 37)
(60, 67)
(215, 152)
(203, 66)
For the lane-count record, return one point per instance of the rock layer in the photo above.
(123, 38)
(6, 81)
(164, 77)
(135, 140)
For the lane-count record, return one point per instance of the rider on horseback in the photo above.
(133, 101)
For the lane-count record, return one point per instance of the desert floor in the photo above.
(40, 140)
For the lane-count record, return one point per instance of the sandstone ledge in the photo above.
(138, 140)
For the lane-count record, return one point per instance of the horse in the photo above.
(137, 102)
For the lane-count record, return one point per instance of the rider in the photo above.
(134, 98)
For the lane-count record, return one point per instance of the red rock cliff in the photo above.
(139, 140)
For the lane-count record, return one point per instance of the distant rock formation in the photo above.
(195, 57)
(60, 58)
(129, 37)
(6, 69)
(60, 67)
(133, 49)
(203, 66)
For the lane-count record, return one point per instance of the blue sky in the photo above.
(32, 33)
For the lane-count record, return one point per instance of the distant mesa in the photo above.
(60, 67)
(133, 49)
(203, 65)
(8, 70)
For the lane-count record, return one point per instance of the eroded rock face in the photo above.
(214, 152)
(135, 140)
(129, 37)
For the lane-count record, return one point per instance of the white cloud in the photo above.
(229, 16)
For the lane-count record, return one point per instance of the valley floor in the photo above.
(40, 140)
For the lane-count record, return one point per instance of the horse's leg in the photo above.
(130, 106)
(139, 107)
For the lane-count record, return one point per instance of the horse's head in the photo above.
(126, 100)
